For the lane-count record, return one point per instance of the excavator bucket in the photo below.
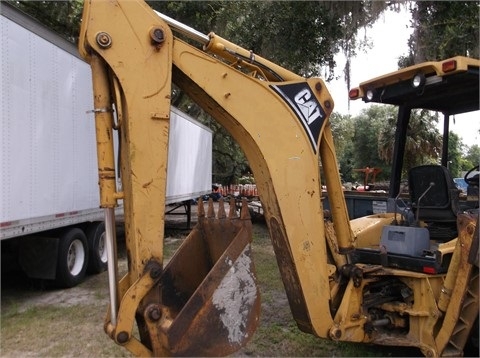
(210, 302)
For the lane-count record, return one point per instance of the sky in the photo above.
(389, 37)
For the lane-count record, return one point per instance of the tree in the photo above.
(366, 141)
(229, 161)
(343, 133)
(443, 29)
(303, 36)
(63, 17)
(423, 142)
(472, 157)
(454, 160)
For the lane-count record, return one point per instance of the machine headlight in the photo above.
(418, 80)
(370, 94)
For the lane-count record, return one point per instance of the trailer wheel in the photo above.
(72, 258)
(98, 259)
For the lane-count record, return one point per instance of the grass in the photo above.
(69, 330)
(49, 331)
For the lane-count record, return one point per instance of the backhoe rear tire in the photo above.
(72, 258)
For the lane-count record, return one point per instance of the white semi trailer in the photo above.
(49, 202)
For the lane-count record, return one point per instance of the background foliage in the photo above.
(442, 29)
(367, 141)
(305, 36)
(63, 17)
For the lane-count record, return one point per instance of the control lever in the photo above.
(395, 209)
(420, 198)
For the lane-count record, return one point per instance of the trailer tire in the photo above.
(72, 258)
(98, 259)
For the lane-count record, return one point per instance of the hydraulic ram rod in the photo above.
(229, 51)
(111, 243)
(184, 29)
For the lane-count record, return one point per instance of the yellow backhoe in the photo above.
(374, 279)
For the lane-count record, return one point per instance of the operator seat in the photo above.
(439, 206)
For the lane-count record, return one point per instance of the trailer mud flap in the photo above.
(210, 302)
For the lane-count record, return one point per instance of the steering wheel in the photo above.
(471, 179)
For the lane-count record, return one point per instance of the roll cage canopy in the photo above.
(450, 87)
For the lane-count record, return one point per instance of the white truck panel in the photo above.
(48, 144)
(189, 158)
(48, 154)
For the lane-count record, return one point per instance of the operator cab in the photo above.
(429, 219)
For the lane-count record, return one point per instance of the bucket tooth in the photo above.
(211, 209)
(221, 209)
(201, 210)
(233, 209)
(244, 212)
